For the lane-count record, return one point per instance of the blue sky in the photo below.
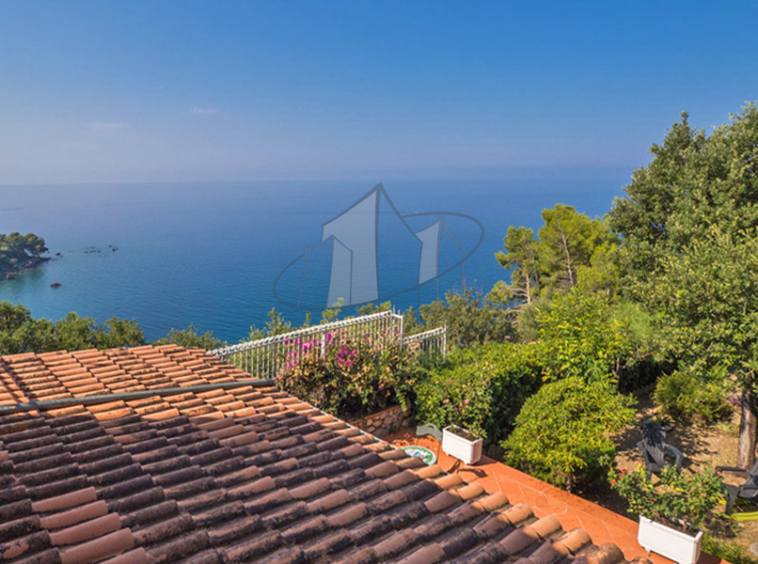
(184, 90)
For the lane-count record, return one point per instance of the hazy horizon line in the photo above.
(451, 174)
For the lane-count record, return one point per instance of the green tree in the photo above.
(77, 333)
(20, 333)
(116, 332)
(572, 251)
(522, 257)
(568, 241)
(688, 251)
(276, 325)
(332, 313)
(190, 337)
(19, 251)
(470, 319)
(411, 322)
(369, 309)
(601, 275)
(563, 432)
(588, 335)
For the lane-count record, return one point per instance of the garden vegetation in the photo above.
(663, 288)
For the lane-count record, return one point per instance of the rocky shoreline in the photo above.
(7, 273)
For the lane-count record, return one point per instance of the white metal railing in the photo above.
(432, 344)
(264, 358)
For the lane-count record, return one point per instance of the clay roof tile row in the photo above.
(235, 475)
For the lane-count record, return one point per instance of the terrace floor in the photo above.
(572, 511)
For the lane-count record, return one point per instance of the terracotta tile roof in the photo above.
(239, 475)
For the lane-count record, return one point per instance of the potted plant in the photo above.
(461, 444)
(672, 510)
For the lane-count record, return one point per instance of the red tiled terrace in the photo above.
(603, 525)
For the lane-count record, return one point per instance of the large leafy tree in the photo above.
(572, 250)
(568, 241)
(521, 258)
(689, 251)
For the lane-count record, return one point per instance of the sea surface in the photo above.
(209, 254)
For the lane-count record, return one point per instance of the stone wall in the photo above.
(384, 422)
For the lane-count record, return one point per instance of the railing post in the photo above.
(444, 344)
(402, 333)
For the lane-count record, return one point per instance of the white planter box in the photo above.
(676, 545)
(469, 450)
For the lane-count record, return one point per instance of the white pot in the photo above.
(462, 448)
(675, 545)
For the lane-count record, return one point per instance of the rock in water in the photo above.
(56, 285)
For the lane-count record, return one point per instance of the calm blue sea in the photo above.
(209, 254)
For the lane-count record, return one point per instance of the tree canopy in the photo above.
(571, 250)
(20, 332)
(689, 251)
(17, 250)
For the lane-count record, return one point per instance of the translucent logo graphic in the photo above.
(371, 253)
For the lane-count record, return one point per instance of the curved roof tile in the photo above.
(235, 475)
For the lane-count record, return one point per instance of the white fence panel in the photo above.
(265, 358)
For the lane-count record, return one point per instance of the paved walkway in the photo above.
(603, 525)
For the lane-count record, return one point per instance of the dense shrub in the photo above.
(686, 397)
(481, 389)
(726, 550)
(353, 376)
(563, 431)
(589, 336)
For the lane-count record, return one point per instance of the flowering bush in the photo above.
(681, 500)
(349, 376)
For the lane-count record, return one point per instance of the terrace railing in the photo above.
(431, 345)
(264, 358)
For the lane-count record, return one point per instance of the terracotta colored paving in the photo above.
(571, 511)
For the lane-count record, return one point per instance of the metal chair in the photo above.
(654, 449)
(746, 492)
